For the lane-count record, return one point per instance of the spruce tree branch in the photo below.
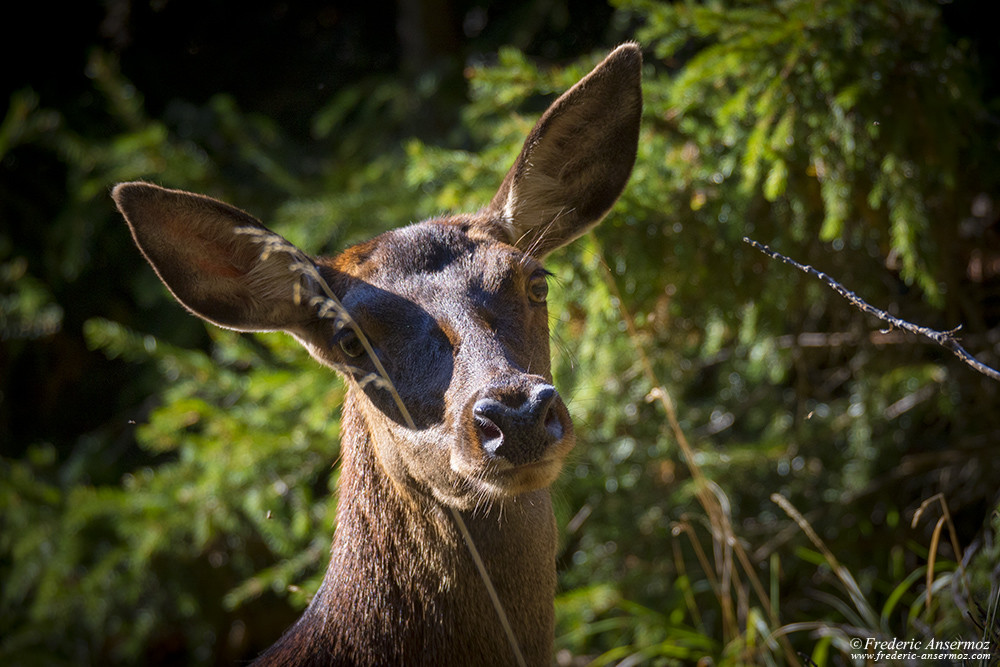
(945, 339)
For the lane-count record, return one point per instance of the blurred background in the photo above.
(762, 473)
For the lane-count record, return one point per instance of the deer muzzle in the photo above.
(520, 426)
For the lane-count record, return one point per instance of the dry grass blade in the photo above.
(842, 573)
(932, 557)
(329, 306)
(944, 520)
(699, 552)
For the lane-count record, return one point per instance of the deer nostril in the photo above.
(489, 416)
(523, 433)
(552, 424)
(489, 433)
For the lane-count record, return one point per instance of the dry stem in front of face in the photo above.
(328, 306)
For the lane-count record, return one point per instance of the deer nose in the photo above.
(520, 433)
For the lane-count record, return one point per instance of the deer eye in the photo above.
(538, 287)
(349, 343)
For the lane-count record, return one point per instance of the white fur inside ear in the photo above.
(509, 210)
(276, 280)
(535, 204)
(282, 278)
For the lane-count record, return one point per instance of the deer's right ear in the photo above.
(219, 262)
(576, 160)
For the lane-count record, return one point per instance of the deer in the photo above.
(452, 433)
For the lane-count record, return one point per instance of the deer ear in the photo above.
(219, 262)
(576, 160)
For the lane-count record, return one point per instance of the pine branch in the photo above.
(945, 339)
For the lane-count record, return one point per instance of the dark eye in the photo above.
(349, 343)
(538, 288)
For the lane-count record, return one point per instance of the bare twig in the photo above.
(945, 339)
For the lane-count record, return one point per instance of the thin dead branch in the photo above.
(945, 339)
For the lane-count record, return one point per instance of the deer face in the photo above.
(458, 318)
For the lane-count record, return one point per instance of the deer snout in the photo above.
(517, 428)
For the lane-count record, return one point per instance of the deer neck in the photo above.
(402, 588)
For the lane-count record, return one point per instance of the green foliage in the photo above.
(847, 135)
(240, 476)
(811, 107)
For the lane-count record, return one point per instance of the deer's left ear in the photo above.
(219, 262)
(576, 160)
